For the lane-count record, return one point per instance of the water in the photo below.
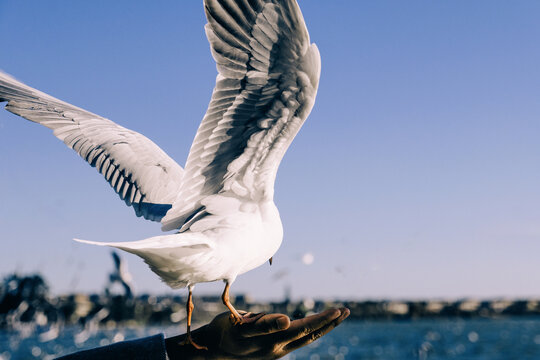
(515, 338)
(486, 339)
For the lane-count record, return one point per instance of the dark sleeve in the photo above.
(150, 348)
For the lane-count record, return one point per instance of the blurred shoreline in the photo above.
(25, 300)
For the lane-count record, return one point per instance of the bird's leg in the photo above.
(236, 318)
(189, 310)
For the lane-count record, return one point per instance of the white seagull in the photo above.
(221, 203)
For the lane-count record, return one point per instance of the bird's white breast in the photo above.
(244, 234)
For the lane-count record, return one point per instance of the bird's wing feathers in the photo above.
(265, 89)
(138, 170)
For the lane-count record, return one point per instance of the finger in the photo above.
(249, 317)
(302, 327)
(311, 337)
(267, 324)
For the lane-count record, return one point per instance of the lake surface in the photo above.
(486, 339)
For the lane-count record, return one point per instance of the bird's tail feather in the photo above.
(168, 256)
(157, 242)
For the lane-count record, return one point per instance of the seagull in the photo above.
(220, 205)
(120, 275)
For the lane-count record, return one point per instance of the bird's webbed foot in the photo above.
(238, 319)
(189, 341)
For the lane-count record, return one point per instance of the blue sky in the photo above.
(416, 175)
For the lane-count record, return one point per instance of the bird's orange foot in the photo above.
(238, 319)
(189, 341)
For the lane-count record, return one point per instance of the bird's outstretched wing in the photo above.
(265, 89)
(138, 170)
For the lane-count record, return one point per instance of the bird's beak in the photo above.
(270, 260)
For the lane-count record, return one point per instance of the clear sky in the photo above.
(416, 175)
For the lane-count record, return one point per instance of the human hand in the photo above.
(269, 337)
